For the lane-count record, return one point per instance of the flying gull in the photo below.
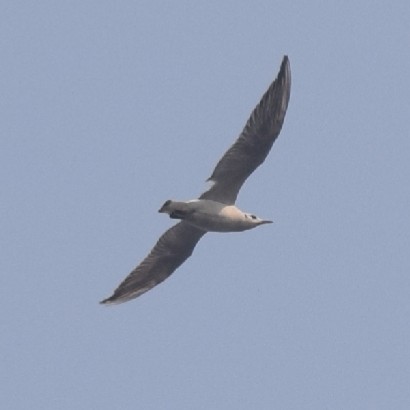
(214, 210)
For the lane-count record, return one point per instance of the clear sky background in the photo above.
(110, 108)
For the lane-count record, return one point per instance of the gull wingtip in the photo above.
(105, 302)
(112, 300)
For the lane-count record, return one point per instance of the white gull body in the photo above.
(214, 210)
(212, 216)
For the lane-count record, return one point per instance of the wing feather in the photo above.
(172, 249)
(253, 145)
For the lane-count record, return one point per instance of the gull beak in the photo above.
(265, 221)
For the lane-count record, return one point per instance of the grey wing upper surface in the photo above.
(253, 145)
(172, 249)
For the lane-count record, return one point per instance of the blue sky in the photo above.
(110, 108)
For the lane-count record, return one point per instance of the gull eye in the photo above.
(253, 216)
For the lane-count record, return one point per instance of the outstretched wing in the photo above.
(254, 143)
(172, 249)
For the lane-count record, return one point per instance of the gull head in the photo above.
(254, 220)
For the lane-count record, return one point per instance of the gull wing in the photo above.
(254, 143)
(172, 249)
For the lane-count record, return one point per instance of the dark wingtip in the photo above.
(109, 301)
(285, 66)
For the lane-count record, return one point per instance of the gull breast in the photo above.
(216, 217)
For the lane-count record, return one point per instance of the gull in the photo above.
(214, 210)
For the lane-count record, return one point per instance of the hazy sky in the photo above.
(110, 108)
